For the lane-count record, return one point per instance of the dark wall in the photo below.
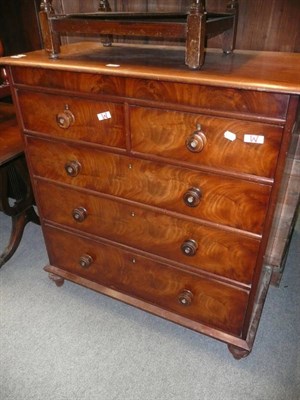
(263, 24)
(271, 25)
(19, 29)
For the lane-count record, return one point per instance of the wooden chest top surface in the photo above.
(263, 71)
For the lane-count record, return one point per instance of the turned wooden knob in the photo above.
(185, 298)
(196, 141)
(72, 168)
(189, 247)
(79, 214)
(65, 119)
(85, 261)
(192, 197)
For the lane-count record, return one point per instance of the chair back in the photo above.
(4, 83)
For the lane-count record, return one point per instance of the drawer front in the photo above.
(73, 81)
(73, 118)
(213, 250)
(205, 97)
(174, 135)
(210, 98)
(237, 203)
(190, 296)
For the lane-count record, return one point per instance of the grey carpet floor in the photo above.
(70, 343)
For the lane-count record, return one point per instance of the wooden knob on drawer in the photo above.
(65, 119)
(79, 214)
(196, 141)
(85, 261)
(185, 297)
(192, 197)
(189, 247)
(72, 168)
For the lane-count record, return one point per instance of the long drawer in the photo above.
(221, 252)
(201, 140)
(233, 202)
(73, 118)
(211, 98)
(203, 300)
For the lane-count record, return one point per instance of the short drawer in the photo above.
(233, 202)
(202, 300)
(200, 140)
(73, 118)
(71, 81)
(220, 252)
(211, 98)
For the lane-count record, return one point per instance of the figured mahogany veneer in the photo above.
(211, 99)
(164, 133)
(153, 130)
(151, 231)
(233, 202)
(157, 185)
(214, 303)
(82, 125)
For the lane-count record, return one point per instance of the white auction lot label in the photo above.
(256, 139)
(104, 115)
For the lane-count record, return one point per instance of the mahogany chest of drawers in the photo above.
(157, 185)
